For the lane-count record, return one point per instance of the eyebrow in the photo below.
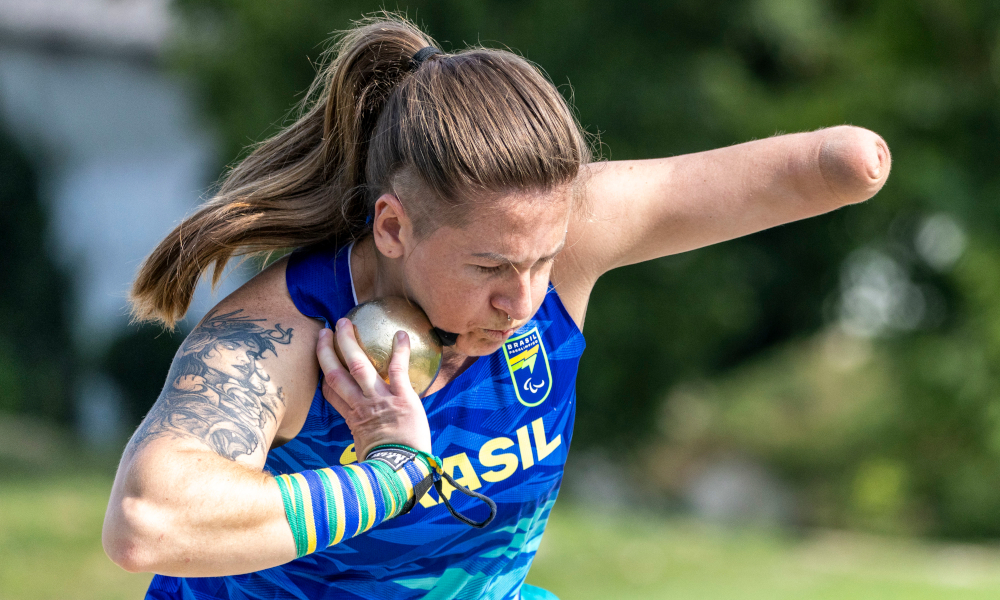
(494, 256)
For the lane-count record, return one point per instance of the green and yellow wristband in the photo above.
(326, 506)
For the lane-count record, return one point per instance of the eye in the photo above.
(547, 260)
(489, 270)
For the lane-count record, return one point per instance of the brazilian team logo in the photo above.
(529, 367)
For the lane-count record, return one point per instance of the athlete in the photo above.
(269, 468)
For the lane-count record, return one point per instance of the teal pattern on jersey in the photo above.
(507, 444)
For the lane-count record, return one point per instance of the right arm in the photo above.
(190, 497)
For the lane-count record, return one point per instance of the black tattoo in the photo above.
(216, 391)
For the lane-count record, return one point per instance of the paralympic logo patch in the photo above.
(525, 356)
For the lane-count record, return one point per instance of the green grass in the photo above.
(50, 542)
(50, 548)
(587, 554)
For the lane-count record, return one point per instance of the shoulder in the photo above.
(319, 280)
(266, 295)
(262, 314)
(589, 240)
(615, 210)
(243, 378)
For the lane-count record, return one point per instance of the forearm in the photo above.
(327, 506)
(653, 208)
(190, 515)
(195, 514)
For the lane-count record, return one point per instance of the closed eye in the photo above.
(489, 270)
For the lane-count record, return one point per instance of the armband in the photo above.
(326, 506)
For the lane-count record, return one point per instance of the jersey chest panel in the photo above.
(508, 444)
(502, 427)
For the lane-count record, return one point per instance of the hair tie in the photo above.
(421, 55)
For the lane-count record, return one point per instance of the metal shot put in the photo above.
(376, 323)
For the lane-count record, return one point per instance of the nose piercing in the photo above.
(508, 318)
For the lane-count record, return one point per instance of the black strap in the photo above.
(418, 492)
(469, 493)
(421, 55)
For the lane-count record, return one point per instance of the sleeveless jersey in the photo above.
(502, 428)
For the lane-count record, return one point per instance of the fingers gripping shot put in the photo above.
(410, 356)
(375, 324)
(284, 458)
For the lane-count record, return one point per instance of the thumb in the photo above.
(399, 365)
(326, 354)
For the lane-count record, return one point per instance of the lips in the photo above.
(499, 334)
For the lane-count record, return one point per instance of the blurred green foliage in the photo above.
(138, 361)
(907, 436)
(35, 349)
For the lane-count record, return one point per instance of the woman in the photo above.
(463, 183)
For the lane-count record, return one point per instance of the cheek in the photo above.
(537, 297)
(540, 286)
(451, 302)
(457, 304)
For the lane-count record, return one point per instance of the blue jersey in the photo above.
(502, 428)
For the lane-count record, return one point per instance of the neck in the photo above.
(377, 276)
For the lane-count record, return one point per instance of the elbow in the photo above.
(126, 553)
(130, 537)
(853, 162)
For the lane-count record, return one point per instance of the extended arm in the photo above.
(640, 210)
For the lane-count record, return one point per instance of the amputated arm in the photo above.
(644, 209)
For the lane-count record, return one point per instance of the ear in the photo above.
(391, 227)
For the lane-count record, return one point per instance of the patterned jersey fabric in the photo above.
(502, 427)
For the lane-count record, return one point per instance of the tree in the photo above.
(35, 348)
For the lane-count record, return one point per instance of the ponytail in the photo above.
(470, 126)
(303, 186)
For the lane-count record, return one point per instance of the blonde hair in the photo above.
(470, 126)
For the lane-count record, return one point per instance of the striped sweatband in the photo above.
(327, 506)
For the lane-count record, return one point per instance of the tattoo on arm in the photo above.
(216, 390)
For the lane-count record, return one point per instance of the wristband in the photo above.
(326, 506)
(399, 453)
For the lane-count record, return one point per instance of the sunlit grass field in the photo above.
(50, 542)
(589, 554)
(50, 549)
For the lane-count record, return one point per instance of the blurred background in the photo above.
(812, 411)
